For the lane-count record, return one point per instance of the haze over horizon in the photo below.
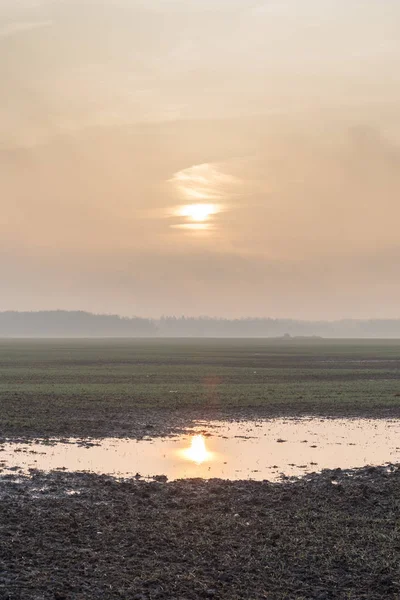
(230, 157)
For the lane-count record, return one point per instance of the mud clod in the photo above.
(82, 536)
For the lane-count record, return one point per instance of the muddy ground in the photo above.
(160, 422)
(66, 536)
(80, 536)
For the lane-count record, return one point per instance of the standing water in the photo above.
(228, 450)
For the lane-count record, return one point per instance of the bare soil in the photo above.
(80, 536)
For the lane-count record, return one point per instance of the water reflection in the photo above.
(228, 450)
(197, 451)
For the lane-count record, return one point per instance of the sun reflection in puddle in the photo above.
(264, 449)
(197, 451)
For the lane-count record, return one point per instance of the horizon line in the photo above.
(197, 317)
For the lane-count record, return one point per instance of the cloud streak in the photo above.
(12, 29)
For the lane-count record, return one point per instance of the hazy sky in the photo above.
(220, 157)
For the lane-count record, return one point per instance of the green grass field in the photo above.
(95, 387)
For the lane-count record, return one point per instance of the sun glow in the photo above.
(197, 452)
(204, 191)
(193, 226)
(198, 212)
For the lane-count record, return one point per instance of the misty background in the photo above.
(47, 324)
(282, 113)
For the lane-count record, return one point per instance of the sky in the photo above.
(202, 157)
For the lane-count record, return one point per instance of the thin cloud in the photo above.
(16, 28)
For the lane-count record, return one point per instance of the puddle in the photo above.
(240, 450)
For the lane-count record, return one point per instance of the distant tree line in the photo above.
(61, 323)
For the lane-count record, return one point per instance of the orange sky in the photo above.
(225, 157)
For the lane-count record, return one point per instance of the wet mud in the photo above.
(66, 536)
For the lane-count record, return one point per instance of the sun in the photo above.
(198, 212)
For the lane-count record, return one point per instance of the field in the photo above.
(333, 535)
(78, 537)
(126, 387)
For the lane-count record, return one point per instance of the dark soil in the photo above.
(163, 422)
(78, 536)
